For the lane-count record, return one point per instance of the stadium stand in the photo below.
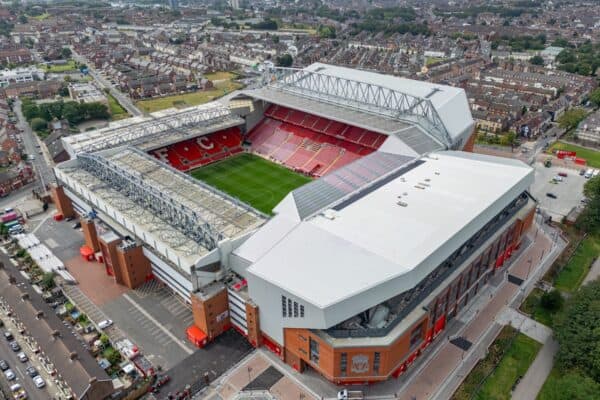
(203, 150)
(310, 144)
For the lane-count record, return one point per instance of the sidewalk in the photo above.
(594, 272)
(444, 373)
(538, 372)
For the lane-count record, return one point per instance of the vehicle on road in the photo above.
(39, 382)
(558, 178)
(105, 324)
(77, 225)
(3, 365)
(588, 173)
(9, 374)
(22, 357)
(551, 195)
(31, 371)
(581, 172)
(15, 346)
(563, 174)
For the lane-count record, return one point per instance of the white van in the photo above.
(588, 173)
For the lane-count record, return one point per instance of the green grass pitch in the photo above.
(252, 179)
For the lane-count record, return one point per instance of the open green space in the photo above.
(220, 76)
(533, 306)
(69, 66)
(117, 111)
(592, 156)
(568, 385)
(509, 357)
(189, 99)
(252, 179)
(571, 275)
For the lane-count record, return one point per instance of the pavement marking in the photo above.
(151, 318)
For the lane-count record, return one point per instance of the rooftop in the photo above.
(401, 229)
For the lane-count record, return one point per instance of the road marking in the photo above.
(151, 318)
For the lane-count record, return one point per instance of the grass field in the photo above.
(116, 110)
(220, 76)
(571, 276)
(69, 66)
(251, 179)
(508, 359)
(592, 156)
(188, 99)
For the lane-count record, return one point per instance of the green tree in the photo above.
(48, 280)
(595, 97)
(38, 124)
(536, 60)
(326, 31)
(570, 386)
(577, 330)
(65, 52)
(23, 19)
(552, 300)
(571, 118)
(589, 219)
(285, 60)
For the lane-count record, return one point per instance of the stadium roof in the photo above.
(387, 238)
(374, 101)
(155, 130)
(179, 216)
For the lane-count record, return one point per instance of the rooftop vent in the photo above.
(402, 204)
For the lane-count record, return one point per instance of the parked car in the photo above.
(8, 335)
(31, 371)
(563, 174)
(9, 374)
(551, 195)
(22, 357)
(557, 178)
(15, 346)
(3, 365)
(104, 324)
(39, 382)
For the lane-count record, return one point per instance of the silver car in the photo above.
(39, 382)
(10, 375)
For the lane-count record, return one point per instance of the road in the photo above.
(124, 100)
(30, 141)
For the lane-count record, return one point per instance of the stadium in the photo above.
(335, 216)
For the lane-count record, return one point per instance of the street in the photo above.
(124, 100)
(18, 368)
(30, 142)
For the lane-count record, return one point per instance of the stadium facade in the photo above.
(356, 272)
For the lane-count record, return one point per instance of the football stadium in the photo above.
(337, 217)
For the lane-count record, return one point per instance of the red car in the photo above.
(563, 174)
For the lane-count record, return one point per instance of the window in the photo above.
(301, 311)
(344, 364)
(289, 308)
(314, 351)
(295, 310)
(376, 358)
(283, 306)
(415, 336)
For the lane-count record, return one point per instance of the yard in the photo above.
(189, 99)
(220, 76)
(252, 179)
(572, 274)
(592, 156)
(508, 357)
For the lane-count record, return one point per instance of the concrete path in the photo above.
(594, 272)
(538, 372)
(538, 332)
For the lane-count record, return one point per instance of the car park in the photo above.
(9, 374)
(3, 365)
(22, 357)
(557, 178)
(15, 346)
(39, 382)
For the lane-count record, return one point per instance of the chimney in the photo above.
(73, 356)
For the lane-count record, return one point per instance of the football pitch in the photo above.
(252, 179)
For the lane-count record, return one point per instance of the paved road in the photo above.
(124, 100)
(30, 141)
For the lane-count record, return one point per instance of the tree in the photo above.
(572, 386)
(595, 97)
(38, 124)
(326, 31)
(48, 280)
(589, 219)
(571, 118)
(577, 329)
(65, 52)
(552, 300)
(285, 60)
(23, 19)
(536, 60)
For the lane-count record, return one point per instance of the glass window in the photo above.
(344, 364)
(314, 351)
(301, 311)
(295, 310)
(415, 336)
(376, 358)
(283, 306)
